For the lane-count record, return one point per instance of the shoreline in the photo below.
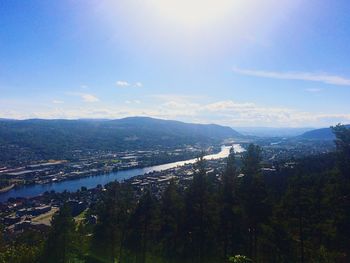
(100, 173)
(91, 181)
(7, 188)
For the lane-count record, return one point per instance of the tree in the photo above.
(113, 215)
(342, 143)
(253, 196)
(200, 214)
(171, 218)
(296, 202)
(239, 259)
(228, 227)
(20, 254)
(143, 226)
(343, 190)
(62, 243)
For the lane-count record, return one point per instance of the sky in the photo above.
(241, 63)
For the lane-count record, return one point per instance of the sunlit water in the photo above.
(93, 181)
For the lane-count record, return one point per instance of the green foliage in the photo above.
(229, 214)
(19, 254)
(239, 259)
(171, 218)
(63, 243)
(299, 214)
(253, 197)
(200, 214)
(343, 148)
(113, 213)
(26, 248)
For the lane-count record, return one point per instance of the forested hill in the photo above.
(320, 134)
(57, 137)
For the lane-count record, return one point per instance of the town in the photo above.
(91, 163)
(20, 214)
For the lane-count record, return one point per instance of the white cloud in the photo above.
(84, 86)
(132, 102)
(86, 97)
(125, 84)
(57, 101)
(234, 113)
(228, 104)
(122, 83)
(306, 76)
(314, 90)
(89, 97)
(138, 85)
(225, 112)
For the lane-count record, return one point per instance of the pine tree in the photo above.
(200, 214)
(253, 197)
(111, 230)
(62, 242)
(343, 190)
(171, 217)
(342, 143)
(228, 224)
(143, 227)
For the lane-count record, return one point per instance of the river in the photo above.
(93, 181)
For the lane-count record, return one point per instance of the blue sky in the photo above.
(280, 63)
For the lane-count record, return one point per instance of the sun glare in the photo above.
(191, 27)
(193, 13)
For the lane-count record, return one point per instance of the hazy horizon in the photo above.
(140, 116)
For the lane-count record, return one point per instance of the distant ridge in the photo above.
(320, 134)
(272, 132)
(58, 138)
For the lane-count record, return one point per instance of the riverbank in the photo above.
(212, 151)
(102, 179)
(7, 188)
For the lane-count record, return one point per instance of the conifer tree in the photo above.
(199, 214)
(228, 224)
(62, 242)
(253, 196)
(171, 218)
(143, 227)
(111, 230)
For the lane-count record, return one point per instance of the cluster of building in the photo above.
(21, 214)
(284, 149)
(59, 170)
(157, 181)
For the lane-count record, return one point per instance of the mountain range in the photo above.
(57, 138)
(272, 131)
(320, 134)
(60, 138)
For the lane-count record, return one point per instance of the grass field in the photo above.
(46, 218)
